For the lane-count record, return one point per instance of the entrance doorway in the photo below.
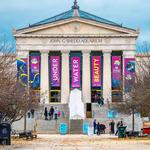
(95, 94)
(55, 96)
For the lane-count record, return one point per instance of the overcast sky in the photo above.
(20, 13)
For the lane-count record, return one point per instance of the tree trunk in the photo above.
(133, 120)
(25, 122)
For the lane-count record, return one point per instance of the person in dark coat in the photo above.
(52, 112)
(94, 126)
(112, 127)
(98, 128)
(119, 124)
(32, 113)
(46, 113)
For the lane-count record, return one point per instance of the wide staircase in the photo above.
(76, 126)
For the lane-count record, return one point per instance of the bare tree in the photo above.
(15, 99)
(138, 98)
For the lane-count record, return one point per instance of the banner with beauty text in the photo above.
(96, 71)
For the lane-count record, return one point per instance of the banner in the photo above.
(75, 74)
(96, 71)
(35, 71)
(55, 71)
(116, 71)
(129, 73)
(22, 71)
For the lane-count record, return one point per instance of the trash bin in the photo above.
(63, 128)
(122, 132)
(85, 128)
(5, 134)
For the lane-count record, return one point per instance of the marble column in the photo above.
(65, 79)
(107, 93)
(86, 79)
(44, 87)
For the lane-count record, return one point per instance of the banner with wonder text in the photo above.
(55, 71)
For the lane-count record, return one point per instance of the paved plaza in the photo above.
(79, 142)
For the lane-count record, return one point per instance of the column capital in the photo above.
(23, 54)
(86, 51)
(129, 53)
(65, 51)
(106, 51)
(44, 52)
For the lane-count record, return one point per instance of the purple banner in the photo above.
(96, 71)
(129, 72)
(35, 71)
(75, 67)
(116, 71)
(55, 71)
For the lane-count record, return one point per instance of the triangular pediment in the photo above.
(75, 26)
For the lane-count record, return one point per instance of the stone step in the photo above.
(76, 126)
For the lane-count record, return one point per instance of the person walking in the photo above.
(112, 127)
(94, 126)
(118, 125)
(98, 128)
(46, 113)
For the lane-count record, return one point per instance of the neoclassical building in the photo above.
(76, 50)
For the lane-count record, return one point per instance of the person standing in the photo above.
(52, 111)
(56, 113)
(112, 127)
(46, 113)
(32, 113)
(95, 126)
(98, 128)
(102, 101)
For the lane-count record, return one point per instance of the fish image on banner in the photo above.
(129, 73)
(116, 71)
(22, 71)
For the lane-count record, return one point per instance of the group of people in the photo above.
(98, 128)
(112, 126)
(51, 114)
(31, 113)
